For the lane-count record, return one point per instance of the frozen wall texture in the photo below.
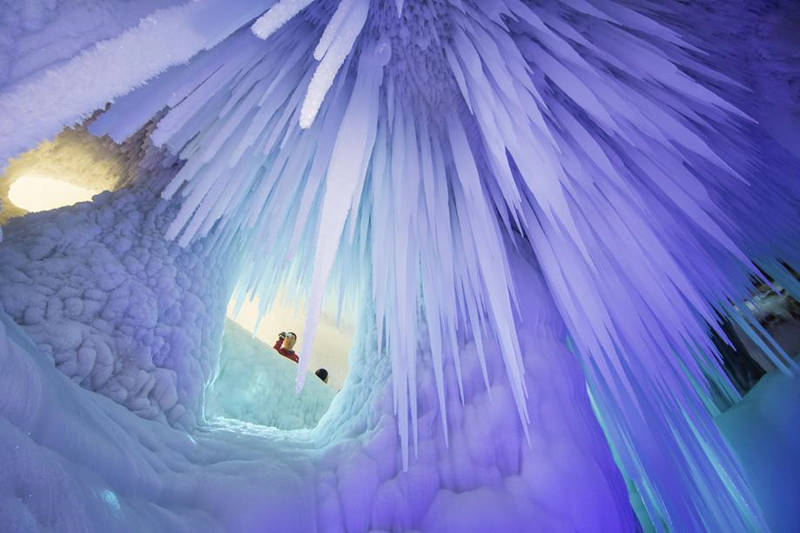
(760, 50)
(119, 309)
(537, 204)
(101, 468)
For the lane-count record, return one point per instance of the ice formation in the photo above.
(542, 208)
(123, 473)
(119, 309)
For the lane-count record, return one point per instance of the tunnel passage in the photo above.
(106, 324)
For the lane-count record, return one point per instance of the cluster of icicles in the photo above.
(575, 124)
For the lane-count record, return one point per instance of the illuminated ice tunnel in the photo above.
(563, 235)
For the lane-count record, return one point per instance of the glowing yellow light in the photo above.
(35, 192)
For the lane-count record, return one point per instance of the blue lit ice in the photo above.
(541, 211)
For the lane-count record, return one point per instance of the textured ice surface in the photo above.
(256, 384)
(116, 307)
(100, 467)
(87, 77)
(38, 33)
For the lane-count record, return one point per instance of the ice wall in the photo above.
(760, 49)
(99, 467)
(39, 33)
(563, 479)
(61, 61)
(117, 307)
(762, 427)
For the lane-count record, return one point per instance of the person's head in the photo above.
(322, 374)
(291, 338)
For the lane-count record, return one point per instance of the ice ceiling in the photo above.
(539, 208)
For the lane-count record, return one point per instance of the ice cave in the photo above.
(546, 252)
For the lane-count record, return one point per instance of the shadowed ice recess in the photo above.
(556, 240)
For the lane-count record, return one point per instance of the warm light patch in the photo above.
(71, 168)
(33, 192)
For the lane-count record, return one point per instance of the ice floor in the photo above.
(74, 460)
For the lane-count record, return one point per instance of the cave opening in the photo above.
(72, 167)
(255, 383)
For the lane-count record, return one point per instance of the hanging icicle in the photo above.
(414, 138)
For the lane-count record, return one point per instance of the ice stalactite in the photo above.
(345, 179)
(389, 149)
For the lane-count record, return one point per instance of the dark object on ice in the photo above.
(322, 374)
(284, 345)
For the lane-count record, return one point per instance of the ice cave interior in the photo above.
(546, 251)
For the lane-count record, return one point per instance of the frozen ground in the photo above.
(74, 460)
(256, 384)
